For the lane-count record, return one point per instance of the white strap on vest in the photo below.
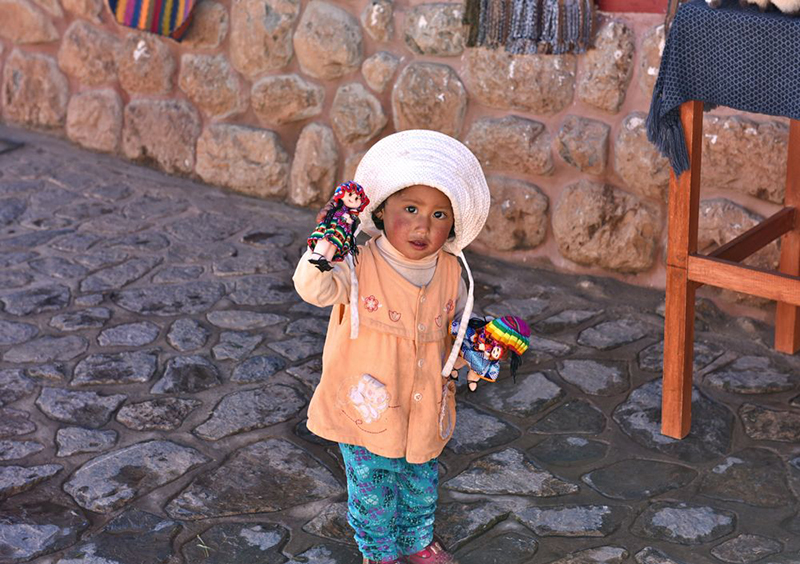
(465, 315)
(353, 291)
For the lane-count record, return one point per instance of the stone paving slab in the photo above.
(156, 367)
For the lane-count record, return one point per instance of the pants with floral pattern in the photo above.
(391, 502)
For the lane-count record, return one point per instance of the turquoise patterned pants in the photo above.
(390, 502)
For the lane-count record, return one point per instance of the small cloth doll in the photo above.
(337, 222)
(486, 343)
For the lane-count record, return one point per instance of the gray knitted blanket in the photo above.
(727, 56)
(531, 26)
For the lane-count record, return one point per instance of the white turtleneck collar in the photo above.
(419, 272)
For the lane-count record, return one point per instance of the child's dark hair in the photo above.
(378, 221)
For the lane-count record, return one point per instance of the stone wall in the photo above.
(280, 98)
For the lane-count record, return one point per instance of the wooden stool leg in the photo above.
(684, 203)
(787, 316)
(676, 407)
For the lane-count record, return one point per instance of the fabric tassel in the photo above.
(553, 26)
(483, 20)
(471, 19)
(526, 27)
(550, 26)
(496, 25)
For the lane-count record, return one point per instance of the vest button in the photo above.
(418, 396)
(421, 362)
(421, 327)
(422, 299)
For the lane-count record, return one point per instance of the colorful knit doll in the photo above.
(337, 222)
(486, 343)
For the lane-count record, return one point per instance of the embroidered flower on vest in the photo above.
(394, 315)
(438, 320)
(371, 303)
(370, 398)
(449, 306)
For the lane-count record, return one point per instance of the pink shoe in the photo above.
(434, 553)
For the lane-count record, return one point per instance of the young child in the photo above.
(386, 395)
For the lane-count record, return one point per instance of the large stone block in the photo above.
(378, 70)
(209, 26)
(378, 19)
(599, 225)
(435, 29)
(87, 53)
(539, 84)
(511, 144)
(356, 115)
(21, 23)
(745, 155)
(285, 98)
(721, 220)
(638, 162)
(161, 131)
(583, 143)
(314, 166)
(328, 41)
(608, 68)
(261, 34)
(52, 7)
(35, 93)
(350, 166)
(429, 96)
(145, 65)
(94, 120)
(87, 9)
(650, 59)
(244, 158)
(518, 216)
(213, 86)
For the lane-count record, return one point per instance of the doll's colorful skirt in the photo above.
(336, 235)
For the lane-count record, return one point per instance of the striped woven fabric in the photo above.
(164, 17)
(511, 331)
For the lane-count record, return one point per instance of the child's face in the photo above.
(417, 221)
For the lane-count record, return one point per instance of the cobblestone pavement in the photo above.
(156, 367)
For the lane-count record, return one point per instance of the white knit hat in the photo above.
(428, 158)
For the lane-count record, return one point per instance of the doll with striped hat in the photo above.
(488, 341)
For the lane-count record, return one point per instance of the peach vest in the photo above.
(384, 390)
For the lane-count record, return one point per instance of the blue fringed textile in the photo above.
(727, 56)
(530, 26)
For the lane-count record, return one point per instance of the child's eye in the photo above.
(440, 215)
(411, 209)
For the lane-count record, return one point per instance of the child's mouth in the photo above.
(418, 245)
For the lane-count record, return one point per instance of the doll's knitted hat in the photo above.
(351, 187)
(511, 331)
(429, 158)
